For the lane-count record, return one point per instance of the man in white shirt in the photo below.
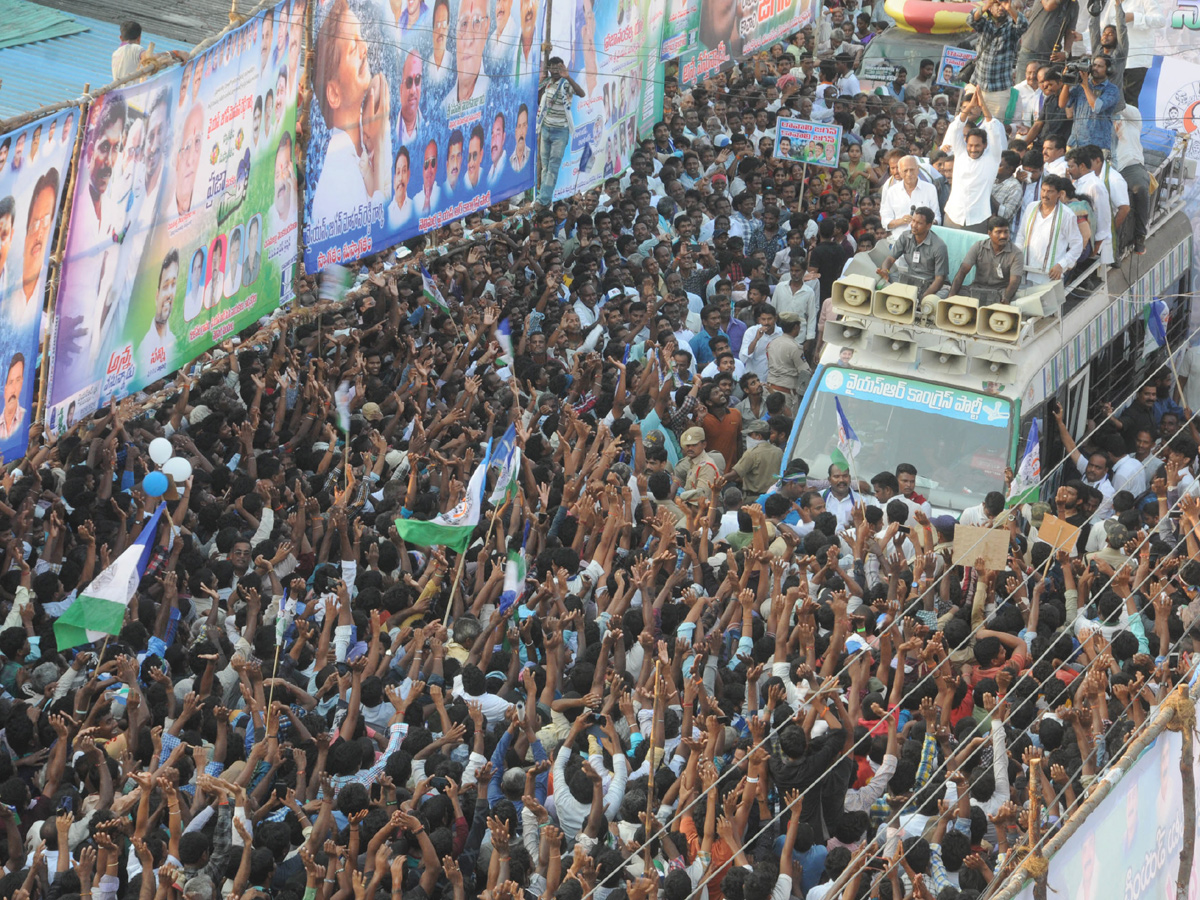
(1117, 189)
(497, 165)
(798, 296)
(473, 25)
(400, 210)
(1054, 156)
(521, 155)
(1049, 236)
(1087, 184)
(127, 58)
(1031, 100)
(12, 418)
(840, 498)
(409, 120)
(757, 338)
(429, 197)
(474, 160)
(341, 78)
(905, 195)
(847, 81)
(158, 346)
(976, 161)
(1128, 472)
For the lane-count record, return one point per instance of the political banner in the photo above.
(423, 112)
(611, 52)
(33, 173)
(728, 30)
(808, 142)
(1129, 845)
(680, 24)
(183, 224)
(951, 65)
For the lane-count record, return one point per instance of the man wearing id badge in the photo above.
(926, 260)
(997, 264)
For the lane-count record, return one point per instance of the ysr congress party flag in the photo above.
(422, 113)
(33, 176)
(100, 609)
(450, 529)
(183, 225)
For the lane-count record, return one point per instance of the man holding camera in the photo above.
(1089, 106)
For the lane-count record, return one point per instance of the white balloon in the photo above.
(178, 468)
(161, 450)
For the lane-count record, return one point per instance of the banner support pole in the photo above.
(56, 259)
(303, 106)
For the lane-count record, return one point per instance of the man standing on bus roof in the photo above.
(1049, 237)
(998, 266)
(976, 149)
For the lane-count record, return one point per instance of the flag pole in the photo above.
(462, 559)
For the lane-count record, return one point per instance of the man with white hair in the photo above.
(200, 887)
(903, 197)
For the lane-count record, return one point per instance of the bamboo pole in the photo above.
(303, 114)
(56, 259)
(1036, 864)
(650, 761)
(1187, 852)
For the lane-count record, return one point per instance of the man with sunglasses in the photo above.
(409, 122)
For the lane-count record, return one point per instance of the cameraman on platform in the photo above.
(1089, 105)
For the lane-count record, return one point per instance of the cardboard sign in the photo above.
(972, 542)
(1057, 533)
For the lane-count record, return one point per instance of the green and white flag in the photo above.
(507, 459)
(1027, 480)
(100, 609)
(452, 529)
(514, 581)
(341, 399)
(430, 289)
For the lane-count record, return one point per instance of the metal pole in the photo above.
(56, 262)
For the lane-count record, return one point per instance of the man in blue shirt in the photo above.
(1090, 105)
(710, 318)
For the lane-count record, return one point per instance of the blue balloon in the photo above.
(155, 484)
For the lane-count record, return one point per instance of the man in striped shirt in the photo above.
(554, 125)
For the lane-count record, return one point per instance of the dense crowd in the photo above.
(722, 674)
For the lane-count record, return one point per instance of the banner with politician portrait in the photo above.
(33, 172)
(423, 112)
(183, 226)
(728, 30)
(611, 51)
(811, 143)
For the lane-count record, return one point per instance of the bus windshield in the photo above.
(957, 439)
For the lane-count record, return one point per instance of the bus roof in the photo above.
(1024, 369)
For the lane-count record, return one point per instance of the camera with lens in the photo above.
(1095, 8)
(1075, 70)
